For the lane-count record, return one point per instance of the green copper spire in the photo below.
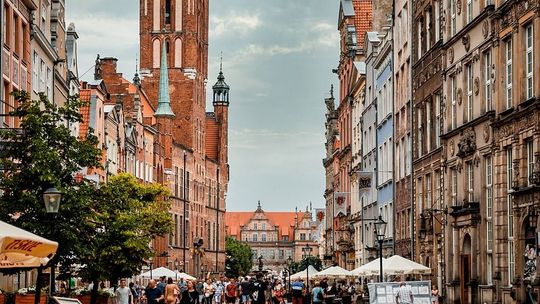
(164, 98)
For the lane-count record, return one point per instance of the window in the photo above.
(452, 17)
(429, 126)
(530, 161)
(428, 28)
(469, 11)
(420, 28)
(437, 201)
(255, 237)
(488, 81)
(428, 191)
(263, 226)
(49, 83)
(437, 126)
(437, 21)
(16, 35)
(5, 31)
(470, 181)
(167, 11)
(254, 226)
(420, 195)
(510, 216)
(469, 81)
(529, 61)
(508, 72)
(43, 17)
(302, 236)
(407, 156)
(489, 202)
(35, 67)
(454, 103)
(263, 237)
(420, 131)
(42, 71)
(454, 186)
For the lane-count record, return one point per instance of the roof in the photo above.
(285, 221)
(363, 19)
(85, 112)
(347, 7)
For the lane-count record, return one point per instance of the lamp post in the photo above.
(52, 198)
(380, 227)
(176, 268)
(307, 253)
(151, 263)
(289, 271)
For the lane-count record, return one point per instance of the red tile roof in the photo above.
(285, 221)
(85, 112)
(363, 19)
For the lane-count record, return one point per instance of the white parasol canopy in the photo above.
(370, 268)
(158, 273)
(334, 272)
(184, 276)
(304, 273)
(399, 265)
(20, 248)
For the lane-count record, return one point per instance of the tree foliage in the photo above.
(303, 264)
(239, 258)
(126, 215)
(40, 154)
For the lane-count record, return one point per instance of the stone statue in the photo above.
(97, 69)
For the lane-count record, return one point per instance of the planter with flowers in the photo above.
(104, 295)
(28, 295)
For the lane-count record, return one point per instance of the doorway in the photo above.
(465, 270)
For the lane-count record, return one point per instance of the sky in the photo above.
(277, 59)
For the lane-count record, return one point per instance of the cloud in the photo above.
(234, 23)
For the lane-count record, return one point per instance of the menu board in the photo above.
(385, 293)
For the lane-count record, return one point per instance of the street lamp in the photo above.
(176, 268)
(151, 262)
(380, 227)
(289, 271)
(52, 198)
(307, 253)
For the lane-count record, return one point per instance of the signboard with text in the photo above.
(385, 293)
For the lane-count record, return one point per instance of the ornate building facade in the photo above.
(274, 236)
(426, 124)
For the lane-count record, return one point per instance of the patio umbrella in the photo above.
(334, 272)
(185, 276)
(399, 265)
(371, 268)
(303, 274)
(22, 249)
(158, 273)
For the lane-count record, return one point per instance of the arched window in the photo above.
(167, 11)
(178, 53)
(155, 53)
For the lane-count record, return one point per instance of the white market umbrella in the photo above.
(399, 265)
(370, 268)
(159, 272)
(334, 272)
(20, 248)
(185, 276)
(304, 273)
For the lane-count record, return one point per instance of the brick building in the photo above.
(274, 236)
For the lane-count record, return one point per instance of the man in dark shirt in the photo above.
(153, 294)
(259, 287)
(245, 288)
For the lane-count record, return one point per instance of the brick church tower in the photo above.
(181, 26)
(174, 33)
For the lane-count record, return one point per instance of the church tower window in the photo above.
(167, 11)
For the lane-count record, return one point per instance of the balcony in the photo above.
(467, 214)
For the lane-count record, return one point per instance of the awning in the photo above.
(22, 249)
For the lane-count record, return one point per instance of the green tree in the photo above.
(239, 258)
(40, 154)
(303, 264)
(126, 216)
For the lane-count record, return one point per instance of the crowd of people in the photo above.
(245, 290)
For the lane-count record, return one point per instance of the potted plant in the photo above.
(27, 296)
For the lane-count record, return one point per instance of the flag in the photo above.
(365, 180)
(340, 203)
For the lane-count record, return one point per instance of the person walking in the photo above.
(152, 294)
(123, 294)
(404, 294)
(330, 293)
(245, 290)
(208, 291)
(297, 288)
(218, 291)
(231, 292)
(190, 295)
(135, 293)
(258, 289)
(171, 292)
(317, 293)
(434, 295)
